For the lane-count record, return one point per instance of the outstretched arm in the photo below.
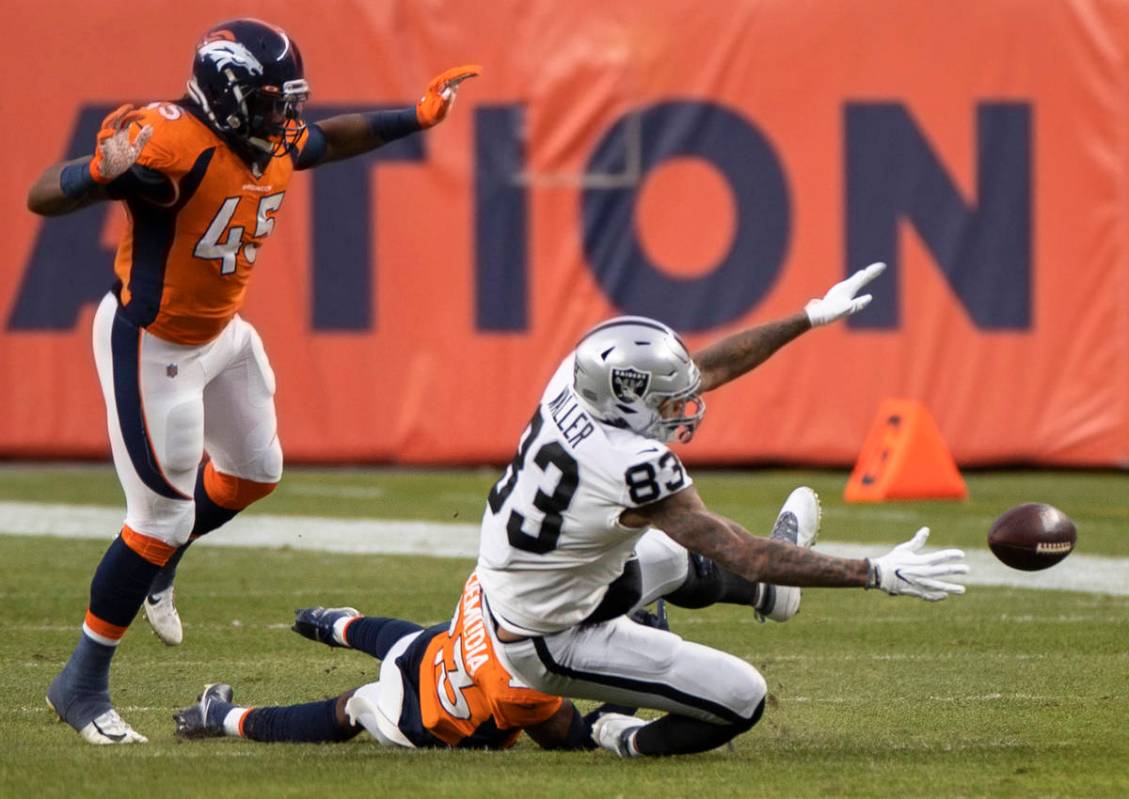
(70, 185)
(347, 135)
(49, 197)
(686, 519)
(742, 352)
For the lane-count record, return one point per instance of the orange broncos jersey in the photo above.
(463, 686)
(184, 266)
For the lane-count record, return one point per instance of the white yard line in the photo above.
(1086, 573)
(313, 533)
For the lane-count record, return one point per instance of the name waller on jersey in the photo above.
(573, 423)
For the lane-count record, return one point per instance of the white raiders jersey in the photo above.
(551, 539)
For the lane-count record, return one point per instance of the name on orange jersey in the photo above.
(475, 651)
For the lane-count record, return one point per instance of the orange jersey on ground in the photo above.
(464, 689)
(184, 266)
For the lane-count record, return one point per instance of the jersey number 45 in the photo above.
(210, 248)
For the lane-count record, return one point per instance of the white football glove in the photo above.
(840, 300)
(115, 153)
(904, 570)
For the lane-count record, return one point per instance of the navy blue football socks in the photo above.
(375, 635)
(314, 722)
(120, 584)
(81, 691)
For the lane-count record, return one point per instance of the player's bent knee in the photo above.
(234, 493)
(149, 548)
(748, 724)
(748, 695)
(168, 520)
(270, 464)
(263, 464)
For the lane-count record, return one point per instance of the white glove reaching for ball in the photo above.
(905, 570)
(840, 299)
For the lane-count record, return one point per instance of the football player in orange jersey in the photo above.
(443, 686)
(203, 180)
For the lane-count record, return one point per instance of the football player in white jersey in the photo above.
(571, 537)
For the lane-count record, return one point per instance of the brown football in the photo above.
(1032, 536)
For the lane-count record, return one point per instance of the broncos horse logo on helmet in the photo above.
(226, 53)
(249, 81)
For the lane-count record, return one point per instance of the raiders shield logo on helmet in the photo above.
(629, 384)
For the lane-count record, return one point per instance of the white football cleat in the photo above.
(614, 731)
(797, 523)
(110, 728)
(160, 610)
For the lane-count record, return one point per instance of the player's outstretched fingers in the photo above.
(940, 585)
(946, 556)
(868, 274)
(918, 541)
(118, 117)
(437, 100)
(451, 78)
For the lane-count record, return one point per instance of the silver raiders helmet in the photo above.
(636, 373)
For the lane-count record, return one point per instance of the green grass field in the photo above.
(1002, 692)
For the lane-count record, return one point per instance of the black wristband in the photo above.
(391, 125)
(75, 181)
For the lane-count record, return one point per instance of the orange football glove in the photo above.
(114, 153)
(440, 94)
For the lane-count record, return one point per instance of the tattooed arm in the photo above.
(742, 352)
(686, 519)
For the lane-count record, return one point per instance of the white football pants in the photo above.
(166, 403)
(627, 663)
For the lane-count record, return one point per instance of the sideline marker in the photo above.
(904, 457)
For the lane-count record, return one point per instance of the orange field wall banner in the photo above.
(714, 165)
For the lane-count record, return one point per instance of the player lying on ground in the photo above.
(203, 179)
(567, 545)
(438, 687)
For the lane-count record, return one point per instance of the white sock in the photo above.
(339, 629)
(231, 721)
